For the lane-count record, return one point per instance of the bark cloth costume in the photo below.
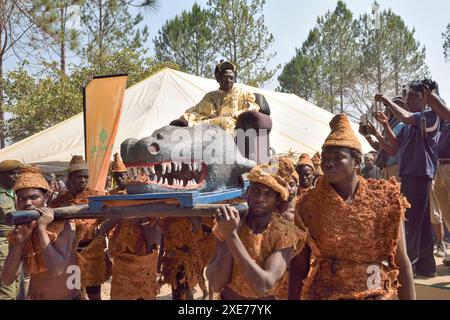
(316, 161)
(306, 160)
(134, 270)
(92, 258)
(31, 177)
(350, 241)
(187, 251)
(279, 234)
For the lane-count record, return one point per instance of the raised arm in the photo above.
(400, 113)
(391, 145)
(363, 130)
(56, 255)
(21, 234)
(437, 105)
(260, 279)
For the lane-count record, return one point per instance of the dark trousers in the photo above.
(419, 237)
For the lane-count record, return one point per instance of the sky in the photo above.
(290, 21)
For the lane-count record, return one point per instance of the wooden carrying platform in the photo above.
(186, 199)
(170, 204)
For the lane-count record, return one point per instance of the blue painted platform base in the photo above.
(187, 199)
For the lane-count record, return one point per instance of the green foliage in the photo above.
(41, 100)
(347, 61)
(109, 27)
(446, 36)
(241, 37)
(186, 40)
(324, 67)
(54, 21)
(38, 101)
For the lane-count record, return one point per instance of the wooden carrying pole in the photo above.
(128, 212)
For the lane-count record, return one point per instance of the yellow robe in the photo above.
(221, 108)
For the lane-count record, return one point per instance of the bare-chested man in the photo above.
(47, 248)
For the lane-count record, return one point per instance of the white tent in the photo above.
(154, 102)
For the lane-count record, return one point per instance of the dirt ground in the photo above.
(165, 293)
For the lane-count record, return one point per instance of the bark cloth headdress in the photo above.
(118, 165)
(342, 134)
(316, 160)
(305, 160)
(30, 177)
(77, 164)
(273, 175)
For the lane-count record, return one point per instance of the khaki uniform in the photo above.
(7, 205)
(441, 205)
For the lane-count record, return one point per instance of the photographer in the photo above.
(417, 146)
(389, 164)
(441, 183)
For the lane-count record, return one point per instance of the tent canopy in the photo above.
(154, 102)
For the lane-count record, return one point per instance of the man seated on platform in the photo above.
(232, 107)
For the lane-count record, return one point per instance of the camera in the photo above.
(432, 85)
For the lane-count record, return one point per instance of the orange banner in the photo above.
(103, 105)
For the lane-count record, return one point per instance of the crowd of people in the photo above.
(337, 225)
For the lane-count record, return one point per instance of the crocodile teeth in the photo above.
(163, 168)
(152, 169)
(165, 181)
(169, 168)
(155, 179)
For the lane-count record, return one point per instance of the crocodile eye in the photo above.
(159, 136)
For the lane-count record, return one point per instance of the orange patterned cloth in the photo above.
(133, 271)
(349, 241)
(33, 256)
(85, 227)
(134, 277)
(278, 235)
(92, 259)
(186, 249)
(94, 264)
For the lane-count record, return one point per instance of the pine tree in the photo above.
(241, 37)
(186, 40)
